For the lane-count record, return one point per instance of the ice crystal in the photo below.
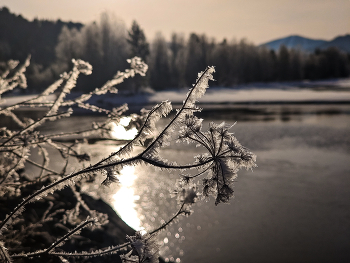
(145, 248)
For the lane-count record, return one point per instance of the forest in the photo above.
(107, 44)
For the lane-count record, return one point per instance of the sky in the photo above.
(259, 21)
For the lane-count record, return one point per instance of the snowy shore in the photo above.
(314, 93)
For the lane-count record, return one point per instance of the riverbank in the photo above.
(223, 97)
(278, 93)
(240, 105)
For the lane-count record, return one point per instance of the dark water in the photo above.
(294, 207)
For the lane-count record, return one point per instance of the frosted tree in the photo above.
(103, 44)
(212, 173)
(68, 46)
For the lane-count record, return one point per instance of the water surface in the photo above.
(294, 207)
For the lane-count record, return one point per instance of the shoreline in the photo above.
(253, 111)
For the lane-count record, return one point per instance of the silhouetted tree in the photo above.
(177, 61)
(333, 63)
(296, 64)
(196, 57)
(283, 63)
(159, 63)
(268, 64)
(329, 63)
(20, 37)
(138, 47)
(137, 41)
(221, 57)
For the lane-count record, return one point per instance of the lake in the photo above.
(294, 207)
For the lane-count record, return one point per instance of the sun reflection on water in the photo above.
(119, 132)
(124, 198)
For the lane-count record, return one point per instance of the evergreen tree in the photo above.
(138, 47)
(178, 60)
(221, 58)
(160, 63)
(196, 59)
(283, 63)
(138, 43)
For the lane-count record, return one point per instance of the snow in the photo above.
(8, 101)
(329, 91)
(256, 95)
(273, 93)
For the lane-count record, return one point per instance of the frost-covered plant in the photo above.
(217, 166)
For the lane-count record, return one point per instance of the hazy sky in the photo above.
(257, 20)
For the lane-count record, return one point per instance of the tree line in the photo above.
(173, 63)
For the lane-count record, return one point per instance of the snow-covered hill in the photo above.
(341, 42)
(308, 44)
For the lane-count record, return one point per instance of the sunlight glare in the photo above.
(124, 198)
(119, 132)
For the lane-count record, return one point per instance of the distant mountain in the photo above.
(308, 44)
(341, 42)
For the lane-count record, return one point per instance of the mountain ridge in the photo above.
(341, 42)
